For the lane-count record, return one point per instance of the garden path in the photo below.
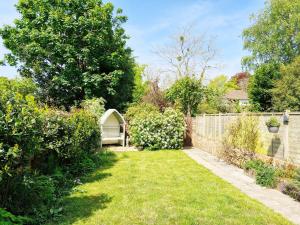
(273, 199)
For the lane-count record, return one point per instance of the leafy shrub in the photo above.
(287, 171)
(187, 92)
(68, 137)
(158, 130)
(273, 122)
(265, 175)
(253, 164)
(95, 106)
(38, 148)
(241, 140)
(23, 86)
(292, 187)
(20, 133)
(32, 195)
(140, 110)
(7, 218)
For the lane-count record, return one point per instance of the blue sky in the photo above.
(150, 23)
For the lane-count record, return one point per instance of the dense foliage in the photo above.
(6, 218)
(140, 86)
(39, 148)
(95, 106)
(274, 35)
(140, 110)
(156, 130)
(214, 95)
(273, 40)
(261, 86)
(286, 93)
(265, 174)
(73, 50)
(187, 93)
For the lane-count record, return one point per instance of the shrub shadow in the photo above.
(96, 177)
(81, 207)
(106, 159)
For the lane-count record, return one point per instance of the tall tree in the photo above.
(73, 50)
(274, 35)
(273, 39)
(261, 85)
(286, 94)
(187, 93)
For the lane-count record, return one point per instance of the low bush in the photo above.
(241, 140)
(265, 175)
(158, 130)
(292, 187)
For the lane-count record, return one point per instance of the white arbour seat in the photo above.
(112, 128)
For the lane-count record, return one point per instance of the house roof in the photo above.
(236, 95)
(109, 112)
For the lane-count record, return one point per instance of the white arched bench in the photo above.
(112, 128)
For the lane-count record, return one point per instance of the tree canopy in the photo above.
(73, 50)
(140, 86)
(274, 35)
(286, 93)
(261, 85)
(214, 93)
(187, 92)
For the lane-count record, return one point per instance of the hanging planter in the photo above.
(273, 125)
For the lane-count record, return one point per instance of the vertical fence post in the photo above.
(204, 125)
(286, 136)
(220, 126)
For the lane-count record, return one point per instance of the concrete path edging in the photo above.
(273, 199)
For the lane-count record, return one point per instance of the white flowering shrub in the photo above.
(158, 130)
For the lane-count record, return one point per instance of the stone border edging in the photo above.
(274, 199)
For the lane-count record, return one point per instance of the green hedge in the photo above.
(40, 148)
(158, 130)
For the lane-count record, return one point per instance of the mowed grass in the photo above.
(163, 187)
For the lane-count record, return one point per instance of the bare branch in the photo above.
(188, 54)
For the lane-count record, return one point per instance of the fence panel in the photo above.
(209, 131)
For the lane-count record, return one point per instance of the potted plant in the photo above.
(273, 124)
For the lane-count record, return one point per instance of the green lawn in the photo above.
(163, 187)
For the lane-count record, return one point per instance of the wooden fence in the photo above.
(208, 133)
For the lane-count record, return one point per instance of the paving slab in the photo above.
(272, 198)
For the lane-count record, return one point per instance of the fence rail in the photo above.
(208, 132)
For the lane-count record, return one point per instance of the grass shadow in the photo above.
(105, 159)
(96, 177)
(81, 207)
(76, 207)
